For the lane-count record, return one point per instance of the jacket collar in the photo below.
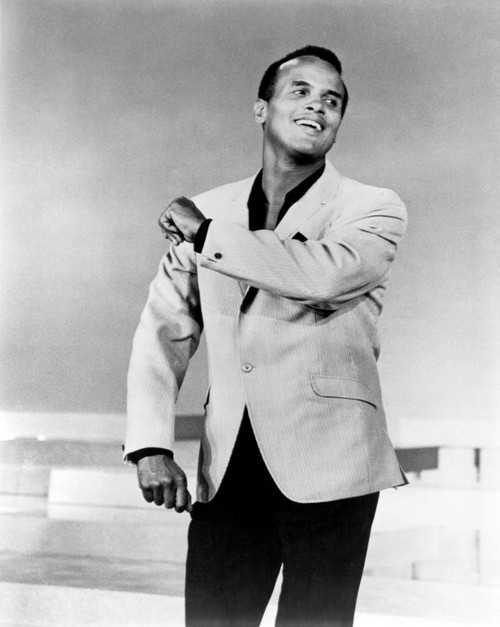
(300, 212)
(312, 201)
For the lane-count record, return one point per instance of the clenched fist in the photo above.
(181, 220)
(163, 482)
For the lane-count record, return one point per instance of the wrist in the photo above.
(137, 456)
(193, 230)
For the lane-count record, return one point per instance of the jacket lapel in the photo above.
(312, 201)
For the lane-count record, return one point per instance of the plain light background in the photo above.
(112, 108)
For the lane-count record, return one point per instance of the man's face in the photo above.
(302, 117)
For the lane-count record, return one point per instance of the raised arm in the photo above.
(352, 257)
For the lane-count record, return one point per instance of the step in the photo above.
(43, 451)
(412, 506)
(162, 536)
(89, 427)
(161, 539)
(458, 455)
(421, 554)
(473, 433)
(27, 462)
(31, 452)
(111, 427)
(430, 601)
(26, 480)
(108, 487)
(100, 573)
(382, 603)
(460, 571)
(64, 606)
(132, 533)
(406, 507)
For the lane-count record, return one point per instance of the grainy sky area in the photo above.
(111, 108)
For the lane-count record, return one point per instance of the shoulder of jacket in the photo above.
(355, 191)
(229, 191)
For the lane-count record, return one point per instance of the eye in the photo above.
(331, 102)
(300, 91)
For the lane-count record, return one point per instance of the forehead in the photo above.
(310, 69)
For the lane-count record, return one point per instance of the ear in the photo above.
(260, 111)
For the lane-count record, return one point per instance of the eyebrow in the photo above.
(306, 84)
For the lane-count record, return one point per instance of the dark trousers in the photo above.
(239, 540)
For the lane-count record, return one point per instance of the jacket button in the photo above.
(218, 255)
(247, 367)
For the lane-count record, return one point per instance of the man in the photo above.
(285, 272)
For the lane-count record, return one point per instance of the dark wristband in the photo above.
(201, 235)
(136, 456)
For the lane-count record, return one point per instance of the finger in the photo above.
(166, 222)
(171, 238)
(168, 226)
(189, 506)
(177, 238)
(172, 234)
(170, 497)
(167, 215)
(158, 495)
(181, 499)
(148, 495)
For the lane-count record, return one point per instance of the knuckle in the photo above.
(143, 483)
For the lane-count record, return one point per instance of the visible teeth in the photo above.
(311, 123)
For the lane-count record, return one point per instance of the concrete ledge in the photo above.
(66, 426)
(30, 452)
(157, 541)
(434, 507)
(111, 487)
(27, 480)
(111, 427)
(84, 427)
(473, 433)
(418, 459)
(58, 606)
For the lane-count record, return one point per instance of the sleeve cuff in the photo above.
(201, 235)
(136, 456)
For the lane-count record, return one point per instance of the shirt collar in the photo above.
(257, 200)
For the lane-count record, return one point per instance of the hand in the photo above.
(163, 482)
(181, 220)
(169, 229)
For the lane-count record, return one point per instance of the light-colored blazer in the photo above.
(290, 318)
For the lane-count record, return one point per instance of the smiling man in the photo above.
(285, 272)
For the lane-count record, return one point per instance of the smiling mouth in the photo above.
(309, 124)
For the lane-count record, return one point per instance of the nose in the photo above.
(316, 105)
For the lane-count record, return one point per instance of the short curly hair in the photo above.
(268, 82)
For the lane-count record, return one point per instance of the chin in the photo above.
(306, 154)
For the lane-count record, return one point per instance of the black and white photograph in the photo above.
(249, 313)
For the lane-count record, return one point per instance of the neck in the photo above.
(280, 176)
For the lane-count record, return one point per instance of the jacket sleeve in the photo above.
(352, 257)
(167, 336)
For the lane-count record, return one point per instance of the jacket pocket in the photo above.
(335, 387)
